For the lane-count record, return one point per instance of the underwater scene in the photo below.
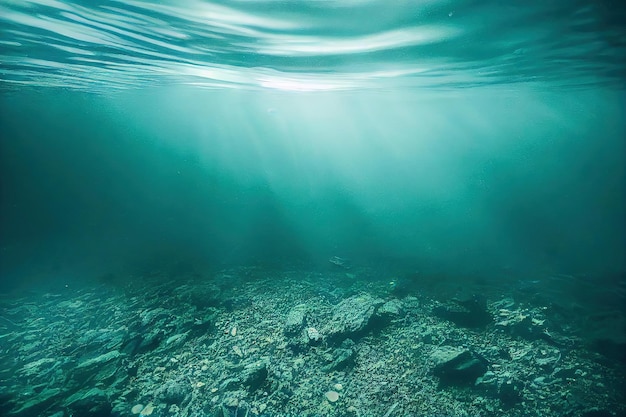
(302, 208)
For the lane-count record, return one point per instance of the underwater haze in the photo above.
(456, 165)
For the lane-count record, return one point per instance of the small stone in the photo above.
(148, 409)
(231, 402)
(176, 339)
(313, 335)
(136, 409)
(233, 331)
(332, 396)
(338, 387)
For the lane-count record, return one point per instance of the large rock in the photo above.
(36, 404)
(93, 402)
(342, 357)
(457, 366)
(296, 320)
(470, 313)
(351, 318)
(174, 391)
(388, 312)
(255, 374)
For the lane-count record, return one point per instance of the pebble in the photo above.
(332, 396)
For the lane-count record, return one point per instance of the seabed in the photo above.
(259, 342)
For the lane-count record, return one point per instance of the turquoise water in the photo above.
(443, 147)
(480, 136)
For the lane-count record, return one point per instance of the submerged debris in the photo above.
(340, 262)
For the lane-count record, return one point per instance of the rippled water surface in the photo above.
(310, 45)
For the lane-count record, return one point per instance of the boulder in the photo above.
(351, 317)
(457, 366)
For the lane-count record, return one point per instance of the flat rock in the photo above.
(36, 404)
(93, 402)
(457, 366)
(99, 360)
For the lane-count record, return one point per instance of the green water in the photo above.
(219, 208)
(517, 184)
(457, 138)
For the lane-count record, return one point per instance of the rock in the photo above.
(507, 390)
(547, 358)
(150, 317)
(471, 313)
(255, 374)
(392, 309)
(176, 339)
(313, 336)
(107, 373)
(232, 407)
(37, 404)
(332, 396)
(343, 357)
(386, 313)
(36, 367)
(99, 360)
(489, 382)
(351, 318)
(306, 338)
(150, 341)
(174, 392)
(457, 366)
(510, 392)
(565, 373)
(296, 320)
(131, 346)
(204, 325)
(93, 402)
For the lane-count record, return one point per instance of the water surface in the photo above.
(311, 45)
